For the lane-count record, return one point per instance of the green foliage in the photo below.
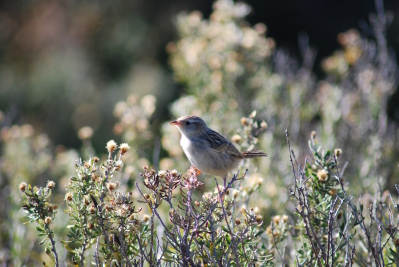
(41, 211)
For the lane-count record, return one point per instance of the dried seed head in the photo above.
(285, 218)
(124, 148)
(269, 230)
(235, 193)
(263, 125)
(197, 203)
(147, 196)
(313, 135)
(85, 133)
(339, 215)
(111, 146)
(118, 167)
(50, 185)
(162, 174)
(22, 186)
(173, 173)
(244, 121)
(90, 225)
(87, 165)
(108, 208)
(236, 138)
(121, 211)
(96, 159)
(322, 174)
(227, 192)
(259, 219)
(94, 177)
(276, 233)
(277, 219)
(112, 186)
(87, 201)
(333, 192)
(337, 152)
(238, 221)
(396, 241)
(48, 220)
(92, 210)
(146, 217)
(68, 196)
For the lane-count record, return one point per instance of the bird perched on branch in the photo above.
(207, 150)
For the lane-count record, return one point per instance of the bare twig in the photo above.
(50, 236)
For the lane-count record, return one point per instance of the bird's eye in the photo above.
(188, 123)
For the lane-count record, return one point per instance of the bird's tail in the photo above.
(253, 154)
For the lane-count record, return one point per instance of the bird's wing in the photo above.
(221, 145)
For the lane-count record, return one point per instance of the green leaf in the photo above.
(225, 229)
(228, 239)
(327, 155)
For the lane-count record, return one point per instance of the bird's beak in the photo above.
(177, 123)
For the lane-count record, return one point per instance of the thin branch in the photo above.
(50, 236)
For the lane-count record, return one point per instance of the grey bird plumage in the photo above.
(207, 150)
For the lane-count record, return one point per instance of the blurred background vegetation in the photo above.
(76, 74)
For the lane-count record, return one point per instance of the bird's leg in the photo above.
(194, 171)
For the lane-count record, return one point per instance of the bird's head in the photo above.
(190, 125)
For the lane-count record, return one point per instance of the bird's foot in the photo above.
(193, 171)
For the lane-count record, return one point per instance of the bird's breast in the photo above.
(190, 148)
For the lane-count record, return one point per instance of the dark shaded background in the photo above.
(101, 45)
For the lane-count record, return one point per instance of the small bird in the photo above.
(207, 150)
